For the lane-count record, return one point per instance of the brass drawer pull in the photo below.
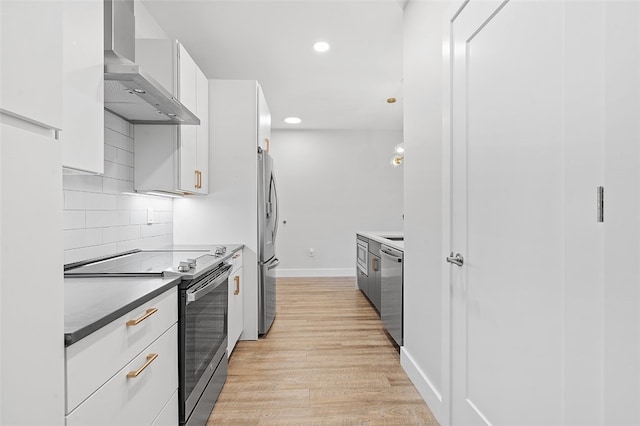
(236, 279)
(134, 374)
(149, 312)
(235, 256)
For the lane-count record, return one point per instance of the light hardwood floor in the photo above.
(325, 361)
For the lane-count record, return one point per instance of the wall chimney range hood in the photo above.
(129, 92)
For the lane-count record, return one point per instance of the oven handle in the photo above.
(193, 296)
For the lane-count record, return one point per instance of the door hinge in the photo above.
(600, 203)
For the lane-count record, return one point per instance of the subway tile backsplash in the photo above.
(101, 215)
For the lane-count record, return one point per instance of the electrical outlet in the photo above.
(149, 215)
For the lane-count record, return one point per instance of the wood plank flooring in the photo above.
(325, 361)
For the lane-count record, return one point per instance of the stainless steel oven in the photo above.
(202, 343)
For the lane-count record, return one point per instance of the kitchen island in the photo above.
(379, 269)
(393, 239)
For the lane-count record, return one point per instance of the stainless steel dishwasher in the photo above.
(391, 282)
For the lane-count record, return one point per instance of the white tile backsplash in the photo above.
(74, 238)
(104, 219)
(102, 215)
(73, 219)
(121, 233)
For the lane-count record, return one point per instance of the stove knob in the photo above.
(192, 263)
(183, 267)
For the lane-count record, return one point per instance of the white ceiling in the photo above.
(271, 41)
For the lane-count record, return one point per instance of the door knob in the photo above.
(456, 260)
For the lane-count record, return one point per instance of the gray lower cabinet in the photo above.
(369, 282)
(363, 281)
(374, 290)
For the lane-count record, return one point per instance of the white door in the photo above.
(545, 99)
(507, 213)
(621, 293)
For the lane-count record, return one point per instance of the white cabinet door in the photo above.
(169, 415)
(117, 342)
(189, 178)
(83, 65)
(194, 140)
(31, 65)
(31, 217)
(127, 400)
(507, 213)
(187, 86)
(174, 159)
(188, 95)
(202, 149)
(236, 310)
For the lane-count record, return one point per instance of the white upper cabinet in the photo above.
(31, 65)
(202, 136)
(82, 134)
(187, 87)
(169, 158)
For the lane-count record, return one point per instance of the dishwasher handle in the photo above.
(391, 254)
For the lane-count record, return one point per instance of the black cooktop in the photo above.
(142, 263)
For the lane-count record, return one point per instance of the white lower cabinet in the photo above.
(169, 414)
(126, 373)
(127, 399)
(236, 302)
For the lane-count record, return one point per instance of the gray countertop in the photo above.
(92, 303)
(380, 236)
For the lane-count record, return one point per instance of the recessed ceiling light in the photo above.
(321, 46)
(292, 120)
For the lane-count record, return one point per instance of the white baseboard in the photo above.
(344, 272)
(425, 387)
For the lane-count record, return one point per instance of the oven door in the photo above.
(203, 337)
(363, 256)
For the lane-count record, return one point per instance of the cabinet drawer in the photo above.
(236, 261)
(125, 400)
(96, 358)
(169, 414)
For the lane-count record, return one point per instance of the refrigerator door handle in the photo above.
(275, 262)
(275, 193)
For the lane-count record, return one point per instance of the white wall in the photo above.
(331, 184)
(99, 217)
(425, 333)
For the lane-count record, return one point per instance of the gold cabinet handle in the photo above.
(134, 374)
(267, 143)
(199, 179)
(147, 314)
(235, 256)
(375, 264)
(236, 279)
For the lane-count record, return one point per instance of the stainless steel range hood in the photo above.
(128, 91)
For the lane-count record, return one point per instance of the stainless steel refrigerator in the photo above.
(267, 231)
